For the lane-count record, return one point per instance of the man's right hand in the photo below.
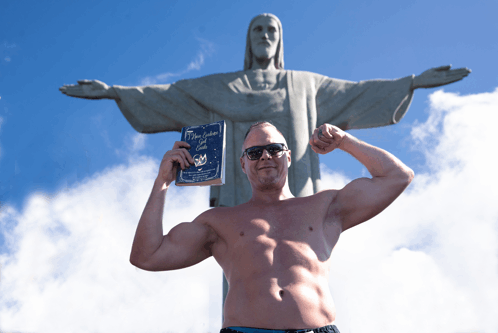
(326, 138)
(89, 89)
(178, 156)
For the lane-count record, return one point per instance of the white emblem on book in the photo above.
(200, 159)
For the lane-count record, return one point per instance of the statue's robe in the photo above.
(300, 102)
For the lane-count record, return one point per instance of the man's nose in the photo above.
(265, 154)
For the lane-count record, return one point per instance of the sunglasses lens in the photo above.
(255, 153)
(273, 149)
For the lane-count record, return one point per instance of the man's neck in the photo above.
(269, 195)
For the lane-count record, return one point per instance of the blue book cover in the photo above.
(208, 149)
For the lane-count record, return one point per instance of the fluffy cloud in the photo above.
(429, 262)
(68, 268)
(426, 264)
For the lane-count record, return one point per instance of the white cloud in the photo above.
(429, 262)
(207, 48)
(133, 143)
(68, 271)
(138, 142)
(426, 264)
(332, 179)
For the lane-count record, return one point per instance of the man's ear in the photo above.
(289, 159)
(243, 164)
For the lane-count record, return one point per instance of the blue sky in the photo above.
(49, 140)
(52, 146)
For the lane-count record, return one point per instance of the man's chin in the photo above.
(268, 181)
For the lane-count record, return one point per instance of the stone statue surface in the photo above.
(296, 102)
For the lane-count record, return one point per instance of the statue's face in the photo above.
(264, 36)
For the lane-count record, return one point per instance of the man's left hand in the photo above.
(327, 138)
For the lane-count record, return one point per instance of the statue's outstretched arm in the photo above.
(89, 89)
(439, 76)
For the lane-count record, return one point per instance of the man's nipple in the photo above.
(242, 233)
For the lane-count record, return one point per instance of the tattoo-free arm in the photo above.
(363, 198)
(187, 243)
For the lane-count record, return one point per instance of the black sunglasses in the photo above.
(255, 153)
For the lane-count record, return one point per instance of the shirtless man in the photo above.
(275, 249)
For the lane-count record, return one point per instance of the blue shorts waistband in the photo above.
(240, 329)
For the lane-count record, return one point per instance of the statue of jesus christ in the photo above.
(295, 102)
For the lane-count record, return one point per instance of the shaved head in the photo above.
(260, 124)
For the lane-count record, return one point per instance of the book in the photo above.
(208, 149)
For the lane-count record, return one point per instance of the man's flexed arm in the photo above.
(363, 198)
(185, 244)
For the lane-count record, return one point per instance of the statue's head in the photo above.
(273, 49)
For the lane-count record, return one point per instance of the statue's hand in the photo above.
(439, 76)
(89, 89)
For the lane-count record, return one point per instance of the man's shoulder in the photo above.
(213, 215)
(324, 199)
(215, 218)
(329, 194)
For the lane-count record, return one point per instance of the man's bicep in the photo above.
(364, 198)
(186, 244)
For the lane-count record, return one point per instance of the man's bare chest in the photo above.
(258, 241)
(272, 244)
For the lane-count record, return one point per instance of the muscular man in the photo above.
(274, 249)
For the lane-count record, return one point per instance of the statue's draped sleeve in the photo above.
(364, 104)
(159, 108)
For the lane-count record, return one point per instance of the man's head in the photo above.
(264, 40)
(261, 124)
(270, 169)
